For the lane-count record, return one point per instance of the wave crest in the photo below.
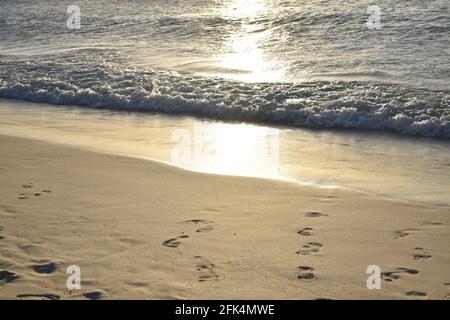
(101, 83)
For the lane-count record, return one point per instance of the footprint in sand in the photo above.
(313, 214)
(45, 268)
(433, 223)
(47, 296)
(310, 247)
(395, 275)
(7, 277)
(305, 232)
(95, 295)
(422, 255)
(416, 294)
(207, 270)
(447, 284)
(1, 238)
(205, 229)
(205, 225)
(404, 233)
(175, 242)
(306, 273)
(8, 210)
(24, 196)
(27, 185)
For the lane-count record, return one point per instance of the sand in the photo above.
(146, 230)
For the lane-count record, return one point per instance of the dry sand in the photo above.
(141, 229)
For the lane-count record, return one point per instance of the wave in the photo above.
(100, 79)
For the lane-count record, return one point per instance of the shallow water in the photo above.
(405, 168)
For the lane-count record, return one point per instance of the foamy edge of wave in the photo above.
(345, 114)
(102, 79)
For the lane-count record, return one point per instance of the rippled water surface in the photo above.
(312, 64)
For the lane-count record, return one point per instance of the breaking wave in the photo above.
(101, 79)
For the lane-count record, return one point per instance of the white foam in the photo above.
(62, 80)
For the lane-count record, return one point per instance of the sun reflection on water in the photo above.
(244, 55)
(241, 9)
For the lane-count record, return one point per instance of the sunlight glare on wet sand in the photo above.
(236, 149)
(419, 170)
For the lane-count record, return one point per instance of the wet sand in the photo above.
(395, 166)
(142, 229)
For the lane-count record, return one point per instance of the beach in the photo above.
(147, 230)
(227, 149)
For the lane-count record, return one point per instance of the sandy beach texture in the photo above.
(142, 229)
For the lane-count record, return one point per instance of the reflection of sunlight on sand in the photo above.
(244, 50)
(229, 149)
(416, 169)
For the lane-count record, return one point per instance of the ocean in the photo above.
(308, 64)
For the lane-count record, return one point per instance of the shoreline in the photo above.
(143, 229)
(263, 178)
(389, 133)
(416, 170)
